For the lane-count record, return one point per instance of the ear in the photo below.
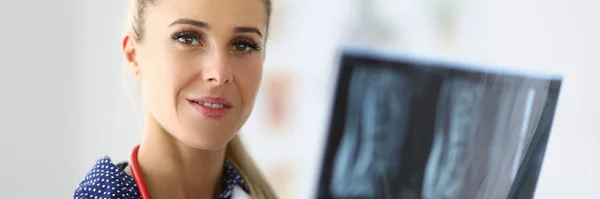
(128, 46)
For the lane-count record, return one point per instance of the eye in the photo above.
(244, 46)
(241, 47)
(188, 38)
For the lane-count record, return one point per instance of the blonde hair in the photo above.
(235, 150)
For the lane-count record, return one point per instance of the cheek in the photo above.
(248, 75)
(162, 81)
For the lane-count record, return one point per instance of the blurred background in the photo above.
(63, 104)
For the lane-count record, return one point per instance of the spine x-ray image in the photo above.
(433, 133)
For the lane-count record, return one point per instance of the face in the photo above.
(199, 64)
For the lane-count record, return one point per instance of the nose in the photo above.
(216, 70)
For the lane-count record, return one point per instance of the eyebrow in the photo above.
(204, 25)
(246, 29)
(192, 22)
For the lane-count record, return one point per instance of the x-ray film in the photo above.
(409, 128)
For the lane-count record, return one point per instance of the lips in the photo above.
(211, 107)
(212, 101)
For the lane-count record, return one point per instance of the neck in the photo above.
(172, 169)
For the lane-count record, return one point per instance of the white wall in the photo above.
(38, 100)
(63, 102)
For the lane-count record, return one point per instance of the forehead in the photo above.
(217, 13)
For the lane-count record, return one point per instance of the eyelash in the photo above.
(197, 37)
(247, 42)
(187, 35)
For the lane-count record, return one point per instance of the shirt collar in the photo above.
(108, 180)
(232, 178)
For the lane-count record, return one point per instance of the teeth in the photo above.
(212, 105)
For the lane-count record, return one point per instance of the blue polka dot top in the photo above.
(109, 181)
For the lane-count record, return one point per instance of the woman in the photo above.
(199, 65)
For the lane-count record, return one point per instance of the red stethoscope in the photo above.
(137, 174)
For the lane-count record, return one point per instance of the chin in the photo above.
(198, 132)
(205, 140)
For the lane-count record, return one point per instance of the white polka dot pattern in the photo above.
(108, 181)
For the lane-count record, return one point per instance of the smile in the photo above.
(210, 105)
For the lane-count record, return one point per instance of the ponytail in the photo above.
(241, 160)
